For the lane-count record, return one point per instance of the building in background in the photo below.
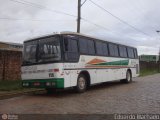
(10, 61)
(149, 58)
(11, 46)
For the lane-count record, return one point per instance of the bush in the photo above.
(10, 85)
(145, 72)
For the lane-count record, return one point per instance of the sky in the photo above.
(135, 22)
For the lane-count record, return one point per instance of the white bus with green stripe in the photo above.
(74, 60)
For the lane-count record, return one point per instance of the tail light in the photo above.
(36, 84)
(56, 70)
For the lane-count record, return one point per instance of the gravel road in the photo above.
(141, 96)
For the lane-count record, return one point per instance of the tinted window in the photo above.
(122, 51)
(49, 49)
(71, 49)
(113, 49)
(135, 53)
(71, 45)
(130, 52)
(105, 49)
(91, 49)
(86, 46)
(101, 48)
(83, 45)
(29, 53)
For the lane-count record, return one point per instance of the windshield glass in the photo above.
(29, 54)
(49, 49)
(42, 50)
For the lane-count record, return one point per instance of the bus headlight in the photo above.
(25, 84)
(50, 83)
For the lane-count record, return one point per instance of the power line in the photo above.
(138, 9)
(106, 29)
(83, 3)
(41, 7)
(124, 22)
(45, 8)
(15, 19)
(55, 11)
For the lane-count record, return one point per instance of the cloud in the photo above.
(141, 14)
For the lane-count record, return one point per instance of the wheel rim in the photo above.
(128, 77)
(81, 83)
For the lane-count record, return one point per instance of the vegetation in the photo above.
(146, 72)
(10, 85)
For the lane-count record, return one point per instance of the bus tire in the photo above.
(128, 77)
(81, 83)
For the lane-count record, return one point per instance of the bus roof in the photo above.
(72, 33)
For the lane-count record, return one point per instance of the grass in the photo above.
(10, 85)
(146, 72)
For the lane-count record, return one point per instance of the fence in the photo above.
(149, 65)
(10, 65)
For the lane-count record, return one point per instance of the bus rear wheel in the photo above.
(128, 77)
(81, 83)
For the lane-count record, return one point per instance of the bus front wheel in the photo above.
(81, 83)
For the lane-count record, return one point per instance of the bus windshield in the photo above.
(42, 50)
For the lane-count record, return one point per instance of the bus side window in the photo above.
(101, 48)
(135, 53)
(71, 45)
(83, 46)
(122, 51)
(86, 46)
(90, 46)
(113, 50)
(71, 49)
(130, 52)
(66, 44)
(105, 49)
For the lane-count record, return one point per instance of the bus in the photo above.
(69, 59)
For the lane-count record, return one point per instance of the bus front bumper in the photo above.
(44, 83)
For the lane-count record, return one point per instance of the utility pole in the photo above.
(79, 16)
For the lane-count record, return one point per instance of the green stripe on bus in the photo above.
(58, 81)
(121, 62)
